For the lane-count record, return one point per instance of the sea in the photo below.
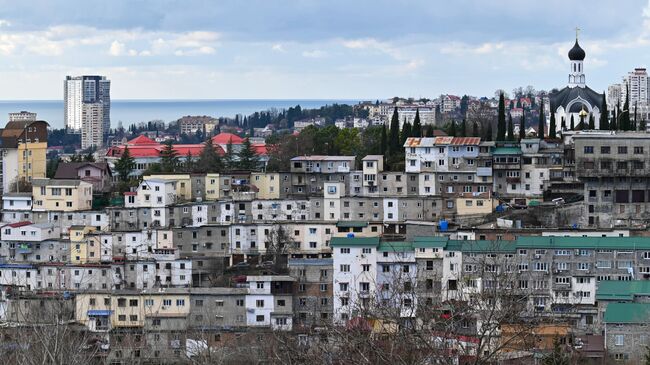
(135, 111)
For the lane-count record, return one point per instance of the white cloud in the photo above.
(317, 53)
(117, 48)
(278, 47)
(4, 23)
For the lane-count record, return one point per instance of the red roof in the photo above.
(260, 148)
(154, 150)
(224, 138)
(141, 140)
(19, 224)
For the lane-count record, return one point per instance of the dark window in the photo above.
(638, 150)
(638, 196)
(622, 196)
(589, 149)
(622, 150)
(621, 165)
(604, 150)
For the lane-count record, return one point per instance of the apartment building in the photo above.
(61, 195)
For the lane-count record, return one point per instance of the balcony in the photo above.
(513, 180)
(24, 248)
(483, 171)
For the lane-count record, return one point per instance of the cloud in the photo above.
(117, 49)
(317, 53)
(278, 47)
(4, 23)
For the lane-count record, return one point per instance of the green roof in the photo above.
(627, 313)
(622, 290)
(482, 246)
(596, 243)
(354, 241)
(395, 247)
(507, 151)
(427, 242)
(351, 224)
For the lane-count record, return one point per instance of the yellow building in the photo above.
(474, 205)
(61, 195)
(25, 149)
(183, 184)
(267, 183)
(81, 251)
(212, 187)
(129, 308)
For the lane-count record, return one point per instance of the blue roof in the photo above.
(99, 313)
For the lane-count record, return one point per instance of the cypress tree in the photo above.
(475, 130)
(613, 126)
(247, 157)
(510, 136)
(488, 132)
(572, 126)
(522, 127)
(393, 143)
(168, 157)
(384, 140)
(634, 123)
(592, 122)
(452, 128)
(563, 124)
(416, 131)
(624, 124)
(428, 131)
(542, 122)
(463, 129)
(604, 125)
(501, 121)
(551, 129)
(125, 165)
(406, 132)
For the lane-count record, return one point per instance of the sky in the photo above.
(307, 49)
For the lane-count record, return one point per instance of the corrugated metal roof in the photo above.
(622, 290)
(627, 313)
(351, 224)
(395, 247)
(354, 241)
(507, 151)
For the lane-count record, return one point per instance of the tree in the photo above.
(646, 357)
(552, 133)
(563, 124)
(572, 125)
(510, 136)
(613, 126)
(384, 141)
(522, 127)
(604, 115)
(51, 166)
(247, 158)
(541, 127)
(393, 143)
(190, 163)
(229, 156)
(348, 142)
(624, 123)
(501, 121)
(475, 132)
(634, 123)
(125, 165)
(406, 132)
(417, 125)
(452, 128)
(592, 123)
(463, 128)
(642, 125)
(209, 159)
(428, 131)
(279, 243)
(488, 132)
(557, 357)
(168, 157)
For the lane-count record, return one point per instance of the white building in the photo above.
(269, 302)
(80, 90)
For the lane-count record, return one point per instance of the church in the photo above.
(576, 99)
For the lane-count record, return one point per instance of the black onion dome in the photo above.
(576, 53)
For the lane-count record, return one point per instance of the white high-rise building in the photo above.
(22, 116)
(92, 127)
(82, 90)
(636, 83)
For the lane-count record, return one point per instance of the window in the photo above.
(638, 150)
(604, 150)
(259, 303)
(622, 150)
(589, 149)
(345, 268)
(345, 250)
(620, 340)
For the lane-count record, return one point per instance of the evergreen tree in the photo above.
(624, 123)
(428, 131)
(488, 132)
(384, 140)
(563, 124)
(463, 129)
(552, 133)
(572, 126)
(229, 156)
(581, 125)
(634, 123)
(393, 143)
(417, 125)
(406, 132)
(125, 165)
(613, 126)
(604, 115)
(501, 121)
(510, 136)
(592, 122)
(642, 125)
(542, 121)
(209, 159)
(168, 157)
(452, 128)
(475, 132)
(248, 159)
(189, 164)
(522, 127)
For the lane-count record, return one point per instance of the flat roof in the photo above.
(627, 313)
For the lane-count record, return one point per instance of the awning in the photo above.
(99, 313)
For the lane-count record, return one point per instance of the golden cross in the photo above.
(577, 30)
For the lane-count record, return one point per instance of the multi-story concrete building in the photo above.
(87, 97)
(61, 195)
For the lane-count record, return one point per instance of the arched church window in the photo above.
(574, 67)
(579, 68)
